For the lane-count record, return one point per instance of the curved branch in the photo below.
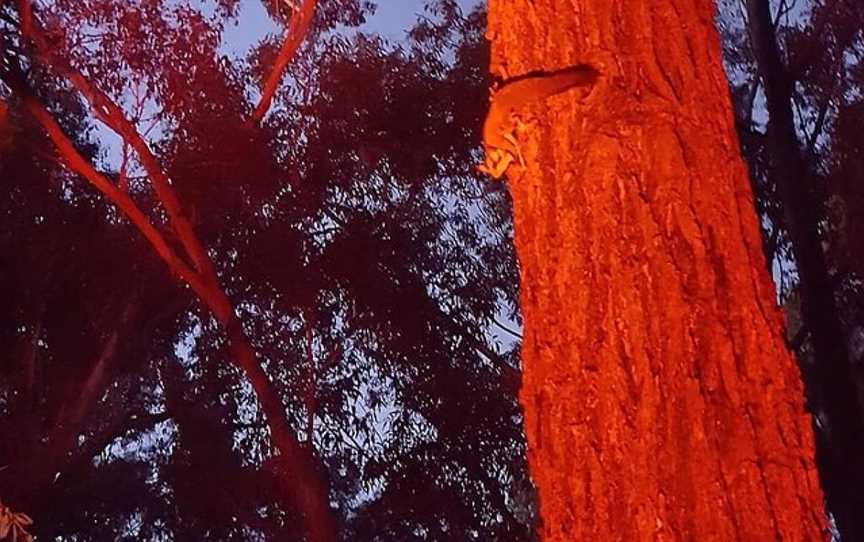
(70, 156)
(104, 108)
(297, 473)
(507, 329)
(298, 476)
(300, 21)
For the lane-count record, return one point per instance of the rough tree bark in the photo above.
(660, 399)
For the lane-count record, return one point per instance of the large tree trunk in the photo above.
(841, 443)
(660, 399)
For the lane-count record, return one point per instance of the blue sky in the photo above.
(394, 17)
(392, 20)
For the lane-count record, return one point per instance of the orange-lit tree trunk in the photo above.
(660, 399)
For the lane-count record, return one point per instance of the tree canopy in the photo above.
(370, 270)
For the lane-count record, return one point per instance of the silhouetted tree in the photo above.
(334, 244)
(795, 78)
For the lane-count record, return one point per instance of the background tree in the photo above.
(795, 71)
(660, 398)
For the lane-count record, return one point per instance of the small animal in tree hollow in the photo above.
(504, 121)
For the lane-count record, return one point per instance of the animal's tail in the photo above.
(561, 80)
(538, 85)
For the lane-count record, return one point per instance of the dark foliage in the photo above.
(820, 45)
(368, 262)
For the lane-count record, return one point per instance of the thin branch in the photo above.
(782, 10)
(820, 120)
(36, 470)
(122, 176)
(817, 129)
(334, 217)
(297, 29)
(311, 383)
(298, 476)
(505, 328)
(87, 393)
(104, 108)
(70, 156)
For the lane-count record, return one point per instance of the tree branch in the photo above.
(70, 156)
(34, 472)
(297, 28)
(298, 476)
(104, 108)
(505, 328)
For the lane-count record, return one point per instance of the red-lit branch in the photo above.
(104, 108)
(70, 156)
(297, 28)
(296, 473)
